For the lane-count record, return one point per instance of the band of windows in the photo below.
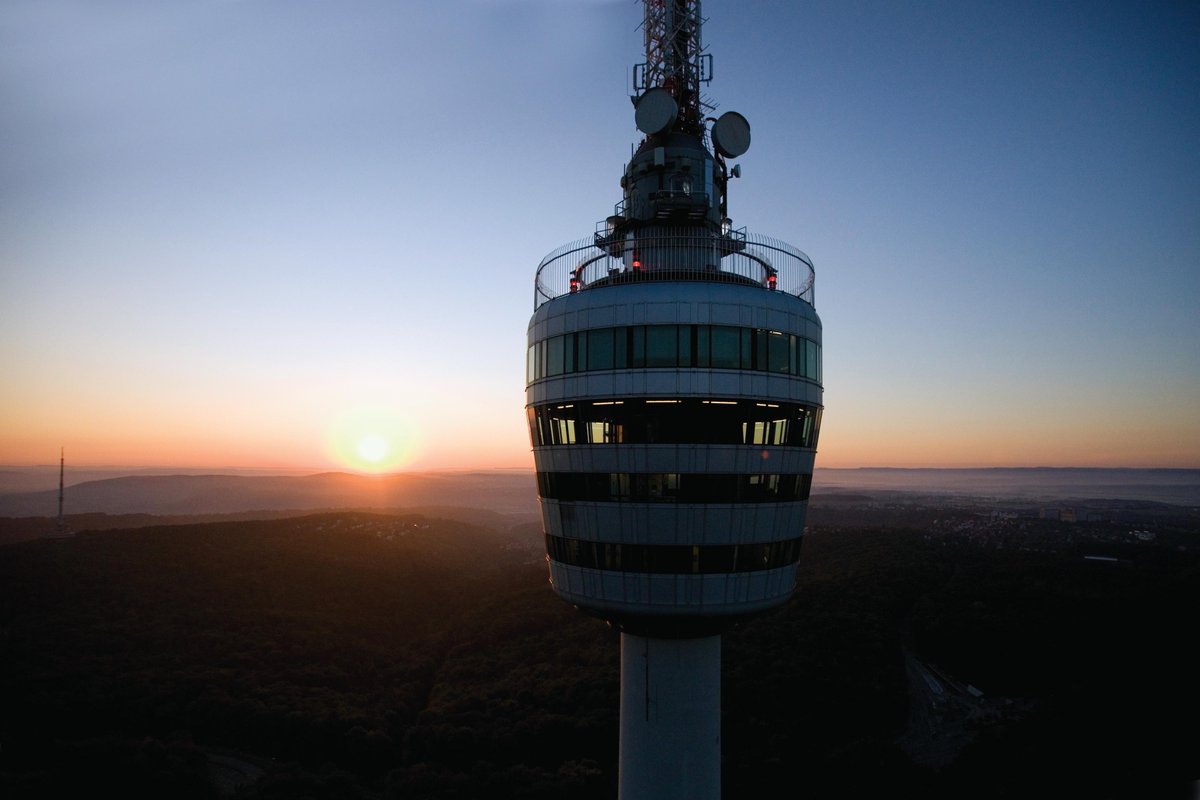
(705, 346)
(674, 421)
(678, 559)
(673, 487)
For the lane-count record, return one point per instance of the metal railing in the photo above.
(688, 254)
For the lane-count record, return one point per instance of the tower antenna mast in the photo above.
(60, 529)
(675, 59)
(62, 463)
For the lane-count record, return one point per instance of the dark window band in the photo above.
(677, 559)
(672, 487)
(674, 421)
(703, 346)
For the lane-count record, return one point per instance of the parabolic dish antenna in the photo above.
(656, 111)
(731, 134)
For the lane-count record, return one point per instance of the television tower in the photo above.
(674, 400)
(60, 528)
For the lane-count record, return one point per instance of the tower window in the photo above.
(670, 487)
(673, 559)
(675, 421)
(674, 346)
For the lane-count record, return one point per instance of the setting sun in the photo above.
(371, 439)
(372, 448)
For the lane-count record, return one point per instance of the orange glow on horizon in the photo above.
(310, 433)
(371, 439)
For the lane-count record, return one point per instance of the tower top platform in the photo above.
(674, 254)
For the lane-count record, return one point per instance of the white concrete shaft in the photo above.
(670, 718)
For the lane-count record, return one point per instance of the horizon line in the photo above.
(315, 470)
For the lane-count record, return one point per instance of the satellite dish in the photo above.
(656, 111)
(731, 134)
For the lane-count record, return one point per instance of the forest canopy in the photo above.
(350, 655)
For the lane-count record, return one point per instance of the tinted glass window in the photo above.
(705, 346)
(726, 347)
(673, 559)
(686, 334)
(682, 421)
(569, 353)
(637, 346)
(662, 346)
(554, 356)
(600, 348)
(642, 487)
(778, 352)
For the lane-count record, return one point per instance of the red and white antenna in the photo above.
(675, 60)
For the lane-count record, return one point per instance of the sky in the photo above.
(303, 233)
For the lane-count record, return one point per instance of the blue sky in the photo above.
(235, 232)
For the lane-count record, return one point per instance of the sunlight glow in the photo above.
(372, 448)
(371, 439)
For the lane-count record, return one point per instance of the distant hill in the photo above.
(512, 493)
(501, 492)
(1176, 486)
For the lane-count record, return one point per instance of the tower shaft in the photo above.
(670, 718)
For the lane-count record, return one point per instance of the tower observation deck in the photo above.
(674, 400)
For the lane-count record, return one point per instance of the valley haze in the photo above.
(32, 491)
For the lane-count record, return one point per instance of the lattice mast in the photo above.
(62, 464)
(677, 179)
(61, 531)
(675, 59)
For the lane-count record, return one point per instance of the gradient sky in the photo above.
(252, 232)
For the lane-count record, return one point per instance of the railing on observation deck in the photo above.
(675, 255)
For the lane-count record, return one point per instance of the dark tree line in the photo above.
(371, 656)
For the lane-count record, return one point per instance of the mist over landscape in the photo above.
(32, 491)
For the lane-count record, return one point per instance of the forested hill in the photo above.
(354, 655)
(503, 492)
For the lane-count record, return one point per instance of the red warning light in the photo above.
(771, 281)
(637, 260)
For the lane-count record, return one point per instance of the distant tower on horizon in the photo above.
(674, 397)
(60, 529)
